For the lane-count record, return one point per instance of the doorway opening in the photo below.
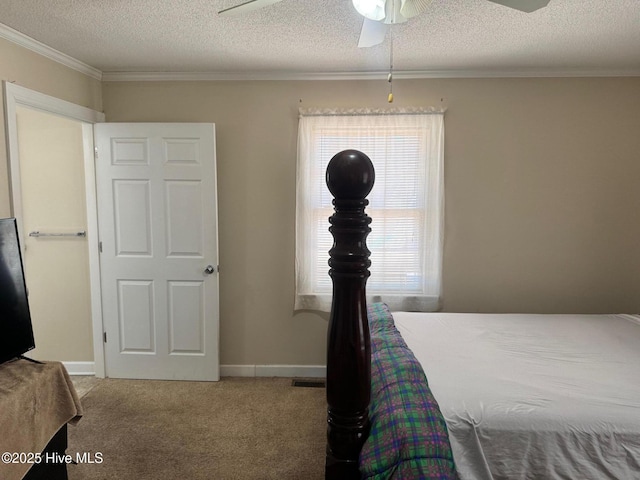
(33, 116)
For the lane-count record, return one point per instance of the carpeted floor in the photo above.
(238, 428)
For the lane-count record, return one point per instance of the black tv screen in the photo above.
(16, 331)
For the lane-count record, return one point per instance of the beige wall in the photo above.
(30, 70)
(542, 204)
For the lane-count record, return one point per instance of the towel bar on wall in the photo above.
(43, 234)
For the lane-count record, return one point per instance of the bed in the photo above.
(469, 396)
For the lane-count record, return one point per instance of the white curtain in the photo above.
(406, 204)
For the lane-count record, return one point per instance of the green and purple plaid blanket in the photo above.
(408, 438)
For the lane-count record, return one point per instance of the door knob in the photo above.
(209, 270)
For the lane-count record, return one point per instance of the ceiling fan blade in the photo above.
(247, 7)
(527, 6)
(372, 33)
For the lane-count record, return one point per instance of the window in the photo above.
(405, 205)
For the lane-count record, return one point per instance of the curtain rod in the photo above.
(311, 112)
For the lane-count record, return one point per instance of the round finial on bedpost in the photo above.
(350, 177)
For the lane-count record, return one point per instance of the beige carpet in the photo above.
(238, 428)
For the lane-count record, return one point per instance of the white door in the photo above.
(157, 215)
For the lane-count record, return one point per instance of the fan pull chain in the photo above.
(390, 76)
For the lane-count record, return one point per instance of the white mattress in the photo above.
(534, 396)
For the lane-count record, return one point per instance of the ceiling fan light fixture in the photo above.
(371, 9)
(390, 11)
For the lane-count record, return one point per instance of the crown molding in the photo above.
(377, 75)
(235, 76)
(40, 48)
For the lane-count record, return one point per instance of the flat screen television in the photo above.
(16, 331)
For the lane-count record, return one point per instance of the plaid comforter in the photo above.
(408, 438)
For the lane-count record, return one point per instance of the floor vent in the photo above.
(298, 382)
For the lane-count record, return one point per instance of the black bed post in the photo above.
(350, 177)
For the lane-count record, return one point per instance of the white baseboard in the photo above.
(237, 370)
(80, 368)
(306, 371)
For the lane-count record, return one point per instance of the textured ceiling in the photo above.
(309, 37)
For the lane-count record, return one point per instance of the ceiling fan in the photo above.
(379, 14)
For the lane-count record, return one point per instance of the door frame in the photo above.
(18, 96)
